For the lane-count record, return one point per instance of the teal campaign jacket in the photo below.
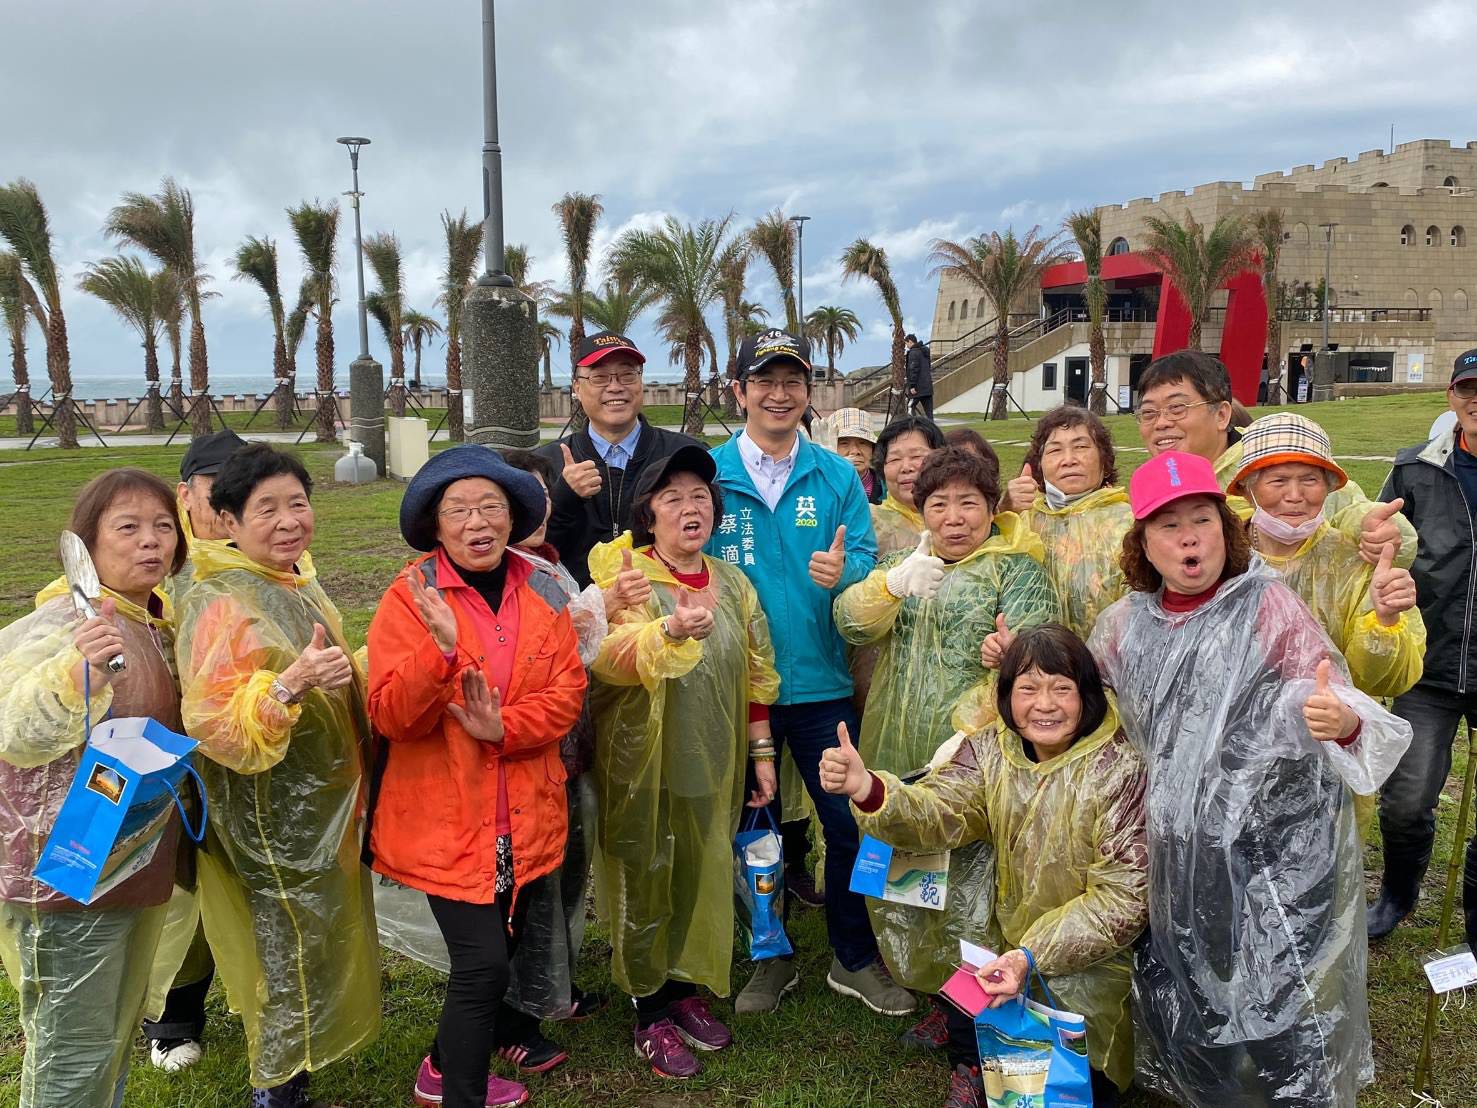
(774, 548)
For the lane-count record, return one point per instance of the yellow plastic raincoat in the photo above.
(1071, 865)
(1333, 580)
(1345, 508)
(1083, 541)
(671, 746)
(81, 972)
(897, 525)
(929, 683)
(286, 903)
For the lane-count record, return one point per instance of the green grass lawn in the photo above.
(819, 1050)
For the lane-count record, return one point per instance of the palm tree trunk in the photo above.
(397, 379)
(326, 403)
(548, 370)
(692, 384)
(1002, 371)
(59, 365)
(24, 424)
(418, 341)
(455, 430)
(176, 383)
(830, 357)
(1194, 341)
(1097, 350)
(578, 420)
(283, 375)
(899, 391)
(153, 407)
(199, 373)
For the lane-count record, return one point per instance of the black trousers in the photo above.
(653, 1009)
(921, 405)
(964, 1051)
(480, 943)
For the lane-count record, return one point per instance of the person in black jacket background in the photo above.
(599, 466)
(919, 368)
(1437, 483)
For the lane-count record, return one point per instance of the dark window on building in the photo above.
(1450, 182)
(1458, 236)
(1407, 235)
(1048, 376)
(1433, 235)
(1118, 246)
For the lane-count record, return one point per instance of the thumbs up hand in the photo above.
(1020, 494)
(1391, 590)
(842, 771)
(996, 643)
(583, 478)
(630, 589)
(1378, 529)
(319, 666)
(826, 565)
(1328, 718)
(919, 574)
(691, 619)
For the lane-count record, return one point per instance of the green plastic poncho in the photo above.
(929, 683)
(671, 747)
(286, 902)
(1333, 581)
(1071, 866)
(1083, 541)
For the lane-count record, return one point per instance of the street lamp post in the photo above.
(499, 322)
(1323, 386)
(366, 376)
(799, 222)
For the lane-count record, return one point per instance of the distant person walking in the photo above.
(919, 369)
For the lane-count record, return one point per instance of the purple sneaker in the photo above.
(696, 1024)
(501, 1093)
(661, 1044)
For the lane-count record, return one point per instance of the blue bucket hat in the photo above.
(525, 495)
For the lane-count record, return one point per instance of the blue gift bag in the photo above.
(1033, 1055)
(120, 801)
(759, 883)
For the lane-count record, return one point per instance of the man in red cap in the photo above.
(599, 466)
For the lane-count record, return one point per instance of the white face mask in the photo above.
(1279, 530)
(1056, 500)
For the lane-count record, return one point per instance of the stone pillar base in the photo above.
(500, 367)
(367, 409)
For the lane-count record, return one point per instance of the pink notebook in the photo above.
(963, 988)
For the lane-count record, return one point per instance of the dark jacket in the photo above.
(1444, 562)
(578, 524)
(919, 367)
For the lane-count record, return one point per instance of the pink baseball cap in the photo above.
(1168, 477)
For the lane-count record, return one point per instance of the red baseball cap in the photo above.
(602, 344)
(1168, 477)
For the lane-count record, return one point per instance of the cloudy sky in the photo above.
(898, 122)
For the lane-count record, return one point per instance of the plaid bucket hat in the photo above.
(1280, 438)
(853, 423)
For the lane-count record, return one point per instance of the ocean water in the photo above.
(121, 387)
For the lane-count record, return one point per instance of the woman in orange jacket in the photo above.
(474, 679)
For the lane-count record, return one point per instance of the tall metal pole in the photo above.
(493, 258)
(359, 256)
(366, 424)
(1323, 389)
(799, 222)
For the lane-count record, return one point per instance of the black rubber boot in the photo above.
(1399, 889)
(1469, 893)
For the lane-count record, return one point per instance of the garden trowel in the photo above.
(83, 583)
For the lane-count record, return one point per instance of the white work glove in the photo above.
(919, 574)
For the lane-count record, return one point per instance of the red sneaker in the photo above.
(661, 1044)
(696, 1024)
(929, 1033)
(966, 1089)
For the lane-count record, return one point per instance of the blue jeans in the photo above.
(1408, 799)
(809, 729)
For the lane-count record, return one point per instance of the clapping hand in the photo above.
(826, 565)
(996, 643)
(437, 615)
(842, 770)
(1328, 718)
(482, 718)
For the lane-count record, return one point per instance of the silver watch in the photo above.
(282, 694)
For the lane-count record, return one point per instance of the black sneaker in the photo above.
(535, 1054)
(802, 887)
(583, 1005)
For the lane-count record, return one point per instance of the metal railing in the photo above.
(1356, 315)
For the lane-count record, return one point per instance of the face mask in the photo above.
(1056, 500)
(1279, 530)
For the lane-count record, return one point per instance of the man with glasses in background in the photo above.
(601, 465)
(1436, 485)
(1185, 404)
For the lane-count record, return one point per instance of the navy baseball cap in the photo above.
(770, 346)
(1465, 367)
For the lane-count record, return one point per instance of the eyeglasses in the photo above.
(1173, 412)
(1465, 389)
(777, 384)
(490, 510)
(604, 380)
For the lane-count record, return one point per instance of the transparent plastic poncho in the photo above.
(897, 526)
(285, 899)
(1070, 873)
(1082, 542)
(929, 682)
(1250, 985)
(671, 748)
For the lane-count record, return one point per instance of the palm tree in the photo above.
(1086, 228)
(753, 317)
(862, 259)
(731, 284)
(172, 314)
(18, 306)
(517, 262)
(382, 251)
(164, 225)
(256, 261)
(549, 337)
(124, 285)
(1004, 268)
(774, 237)
(833, 327)
(24, 225)
(1197, 263)
(463, 244)
(419, 329)
(1269, 227)
(292, 335)
(578, 213)
(316, 228)
(684, 265)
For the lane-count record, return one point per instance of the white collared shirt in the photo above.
(769, 476)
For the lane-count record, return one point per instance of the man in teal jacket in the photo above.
(796, 521)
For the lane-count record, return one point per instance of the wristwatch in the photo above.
(282, 694)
